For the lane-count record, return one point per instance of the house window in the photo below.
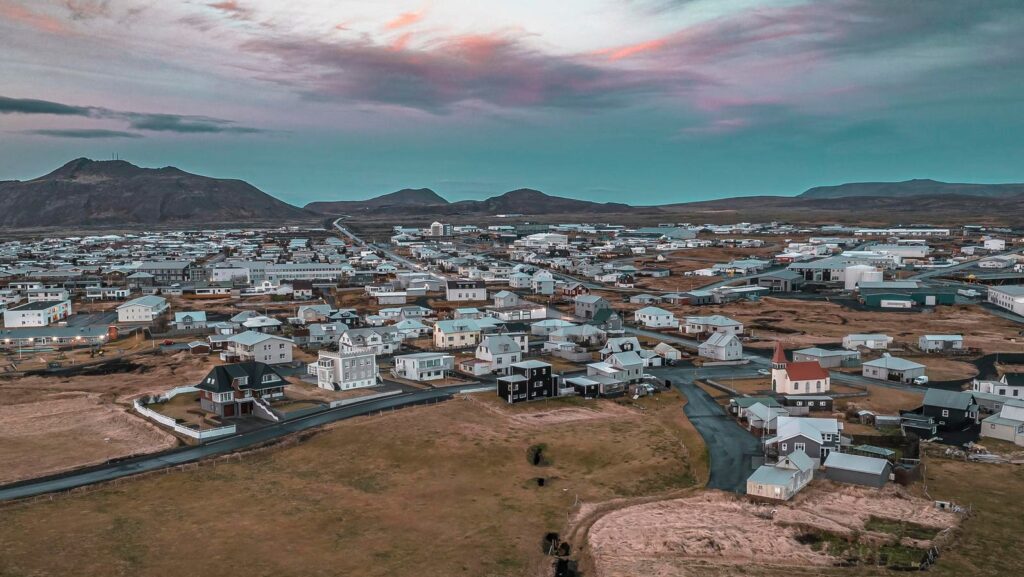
(783, 446)
(799, 446)
(945, 412)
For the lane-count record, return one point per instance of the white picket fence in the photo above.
(170, 422)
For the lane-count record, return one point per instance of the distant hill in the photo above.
(424, 200)
(87, 192)
(916, 187)
(406, 197)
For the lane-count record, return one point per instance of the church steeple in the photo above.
(779, 358)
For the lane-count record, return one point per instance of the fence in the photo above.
(343, 402)
(172, 423)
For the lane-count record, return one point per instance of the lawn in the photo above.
(447, 489)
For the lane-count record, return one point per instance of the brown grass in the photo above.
(439, 490)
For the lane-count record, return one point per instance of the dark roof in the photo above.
(601, 316)
(465, 284)
(36, 306)
(1014, 379)
(219, 379)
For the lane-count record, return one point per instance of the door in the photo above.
(229, 410)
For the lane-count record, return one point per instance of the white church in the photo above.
(798, 378)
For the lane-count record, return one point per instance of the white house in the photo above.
(424, 366)
(142, 310)
(703, 325)
(798, 377)
(1010, 385)
(465, 290)
(37, 314)
(542, 283)
(655, 317)
(784, 479)
(721, 347)
(1007, 424)
(380, 340)
(190, 320)
(351, 369)
(874, 341)
(938, 343)
(500, 351)
(259, 347)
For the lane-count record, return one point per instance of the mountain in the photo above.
(419, 201)
(916, 187)
(406, 197)
(112, 192)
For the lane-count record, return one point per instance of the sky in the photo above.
(638, 101)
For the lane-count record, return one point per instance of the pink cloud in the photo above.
(405, 19)
(15, 12)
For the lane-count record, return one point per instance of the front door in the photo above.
(229, 410)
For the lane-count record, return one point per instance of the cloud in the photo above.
(492, 69)
(155, 122)
(32, 106)
(17, 13)
(83, 133)
(87, 9)
(232, 8)
(405, 19)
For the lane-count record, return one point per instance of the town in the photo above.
(808, 360)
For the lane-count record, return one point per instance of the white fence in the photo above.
(170, 421)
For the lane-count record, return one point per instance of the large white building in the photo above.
(352, 369)
(424, 366)
(655, 317)
(1009, 297)
(142, 310)
(37, 313)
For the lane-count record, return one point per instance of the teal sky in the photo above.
(641, 101)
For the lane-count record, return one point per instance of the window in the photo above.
(782, 446)
(945, 412)
(799, 446)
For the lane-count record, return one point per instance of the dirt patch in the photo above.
(69, 431)
(719, 529)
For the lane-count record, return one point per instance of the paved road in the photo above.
(180, 456)
(731, 448)
(968, 264)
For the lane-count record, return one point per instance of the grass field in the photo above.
(449, 489)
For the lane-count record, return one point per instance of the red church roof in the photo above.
(806, 371)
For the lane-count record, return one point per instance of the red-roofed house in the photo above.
(797, 378)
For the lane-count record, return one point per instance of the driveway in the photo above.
(731, 448)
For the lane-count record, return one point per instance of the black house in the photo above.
(527, 381)
(951, 410)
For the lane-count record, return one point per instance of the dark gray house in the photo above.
(234, 390)
(527, 381)
(588, 305)
(818, 437)
(781, 281)
(857, 469)
(951, 410)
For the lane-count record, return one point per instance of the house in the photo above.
(875, 341)
(262, 324)
(802, 404)
(190, 320)
(721, 347)
(951, 410)
(504, 299)
(644, 299)
(546, 327)
(37, 314)
(667, 352)
(500, 351)
(584, 335)
(763, 417)
(607, 320)
(380, 340)
(349, 369)
(424, 366)
(465, 290)
(857, 469)
(324, 334)
(940, 343)
(1009, 386)
(619, 345)
(655, 317)
(258, 347)
(626, 367)
(1007, 424)
(817, 437)
(542, 283)
(893, 369)
(784, 479)
(705, 325)
(586, 305)
(235, 390)
(455, 334)
(142, 310)
(827, 358)
(527, 381)
(1009, 297)
(575, 289)
(314, 313)
(464, 313)
(519, 280)
(781, 281)
(412, 329)
(798, 377)
(198, 348)
(597, 385)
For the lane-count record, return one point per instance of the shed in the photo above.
(857, 469)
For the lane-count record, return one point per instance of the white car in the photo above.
(764, 372)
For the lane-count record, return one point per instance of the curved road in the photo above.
(133, 466)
